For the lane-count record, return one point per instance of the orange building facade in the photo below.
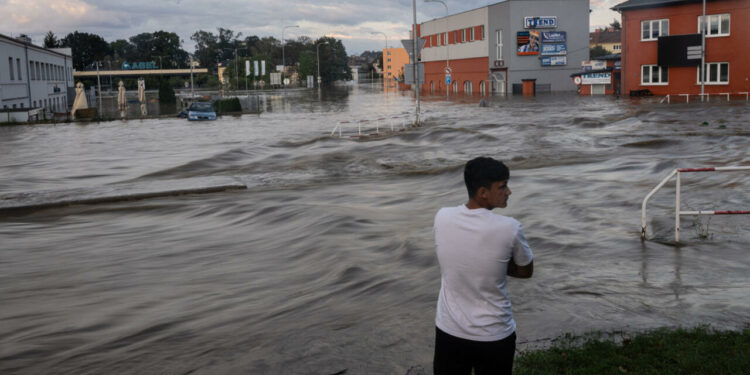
(727, 41)
(394, 60)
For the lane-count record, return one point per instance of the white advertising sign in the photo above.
(596, 79)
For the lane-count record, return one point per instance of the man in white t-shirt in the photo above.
(476, 249)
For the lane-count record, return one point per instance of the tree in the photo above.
(307, 64)
(598, 51)
(615, 25)
(205, 48)
(123, 50)
(86, 47)
(333, 61)
(50, 40)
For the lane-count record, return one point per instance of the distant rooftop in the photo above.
(640, 4)
(607, 36)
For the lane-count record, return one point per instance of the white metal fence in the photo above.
(677, 172)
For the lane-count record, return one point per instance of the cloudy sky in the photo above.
(353, 21)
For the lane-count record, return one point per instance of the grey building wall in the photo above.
(572, 17)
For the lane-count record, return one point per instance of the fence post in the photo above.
(677, 210)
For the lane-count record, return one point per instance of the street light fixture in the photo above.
(317, 53)
(386, 47)
(447, 46)
(283, 56)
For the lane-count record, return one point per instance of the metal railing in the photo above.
(677, 198)
(705, 96)
(393, 122)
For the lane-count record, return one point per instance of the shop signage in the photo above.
(554, 37)
(597, 78)
(554, 60)
(594, 65)
(139, 65)
(527, 42)
(554, 49)
(540, 22)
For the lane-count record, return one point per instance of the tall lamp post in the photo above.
(317, 54)
(447, 46)
(386, 48)
(283, 56)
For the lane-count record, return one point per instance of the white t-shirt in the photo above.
(473, 248)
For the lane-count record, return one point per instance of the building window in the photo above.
(499, 44)
(654, 75)
(467, 87)
(18, 65)
(463, 35)
(482, 88)
(653, 29)
(471, 34)
(718, 25)
(10, 68)
(616, 47)
(38, 70)
(31, 71)
(455, 86)
(483, 36)
(716, 73)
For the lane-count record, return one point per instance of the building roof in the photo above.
(601, 37)
(56, 51)
(640, 4)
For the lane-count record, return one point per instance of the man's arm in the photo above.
(521, 272)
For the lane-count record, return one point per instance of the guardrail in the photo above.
(391, 121)
(706, 96)
(677, 198)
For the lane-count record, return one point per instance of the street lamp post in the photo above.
(317, 53)
(283, 56)
(386, 49)
(447, 46)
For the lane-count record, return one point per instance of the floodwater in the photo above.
(325, 262)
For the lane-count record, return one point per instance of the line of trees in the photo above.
(226, 47)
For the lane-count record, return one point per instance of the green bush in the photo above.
(227, 105)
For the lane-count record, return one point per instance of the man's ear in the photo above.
(482, 193)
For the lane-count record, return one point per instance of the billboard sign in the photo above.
(554, 60)
(540, 22)
(554, 37)
(594, 65)
(597, 78)
(527, 43)
(139, 65)
(554, 49)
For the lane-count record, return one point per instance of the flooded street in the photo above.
(325, 262)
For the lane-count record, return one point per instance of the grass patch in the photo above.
(663, 351)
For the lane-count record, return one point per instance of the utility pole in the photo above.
(99, 84)
(416, 58)
(704, 27)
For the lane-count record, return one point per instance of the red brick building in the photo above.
(647, 23)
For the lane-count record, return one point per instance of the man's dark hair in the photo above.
(482, 172)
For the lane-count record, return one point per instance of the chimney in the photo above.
(24, 38)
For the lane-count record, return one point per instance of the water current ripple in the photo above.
(323, 261)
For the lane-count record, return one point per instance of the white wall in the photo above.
(466, 50)
(34, 89)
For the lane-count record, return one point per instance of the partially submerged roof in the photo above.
(640, 4)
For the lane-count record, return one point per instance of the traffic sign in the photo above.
(447, 79)
(448, 70)
(409, 46)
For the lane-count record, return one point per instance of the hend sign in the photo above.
(540, 22)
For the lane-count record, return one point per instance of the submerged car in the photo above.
(201, 111)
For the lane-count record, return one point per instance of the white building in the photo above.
(34, 77)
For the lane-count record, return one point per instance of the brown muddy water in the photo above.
(325, 261)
